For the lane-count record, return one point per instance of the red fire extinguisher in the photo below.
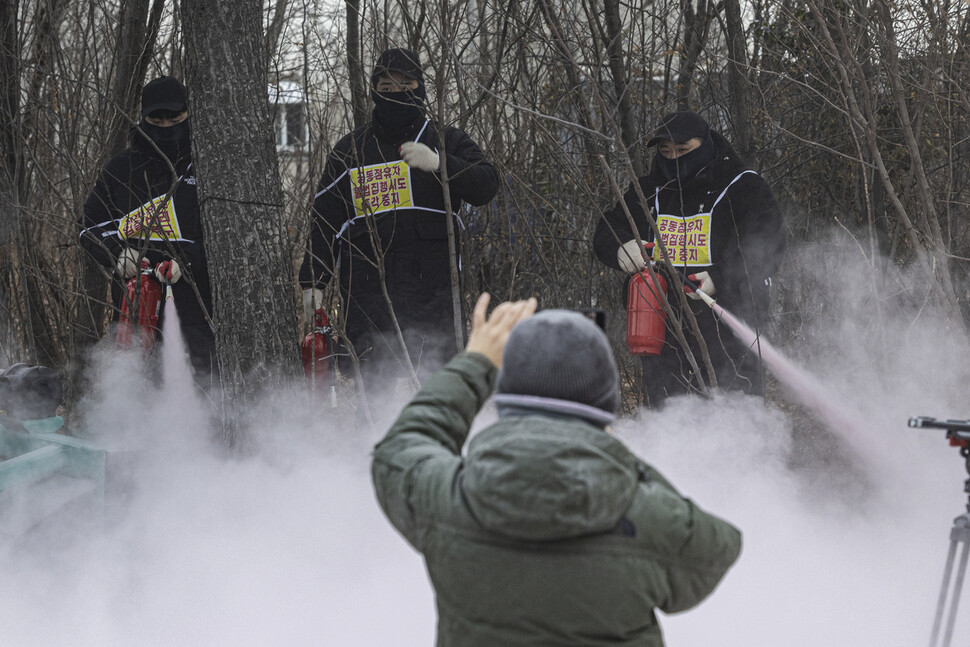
(318, 357)
(645, 316)
(147, 292)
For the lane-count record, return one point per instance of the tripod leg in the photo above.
(941, 603)
(955, 601)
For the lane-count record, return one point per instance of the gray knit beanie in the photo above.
(561, 354)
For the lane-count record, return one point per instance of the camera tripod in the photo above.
(958, 433)
(959, 534)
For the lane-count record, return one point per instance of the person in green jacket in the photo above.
(549, 531)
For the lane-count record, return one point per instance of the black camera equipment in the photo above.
(958, 433)
(29, 392)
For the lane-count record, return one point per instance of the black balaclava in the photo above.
(394, 112)
(166, 95)
(685, 167)
(174, 140)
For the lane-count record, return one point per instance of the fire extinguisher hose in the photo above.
(333, 373)
(705, 297)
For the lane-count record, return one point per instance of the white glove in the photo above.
(312, 299)
(127, 264)
(419, 156)
(630, 257)
(168, 271)
(704, 283)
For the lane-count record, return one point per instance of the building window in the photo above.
(289, 116)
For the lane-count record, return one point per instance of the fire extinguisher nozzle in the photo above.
(168, 291)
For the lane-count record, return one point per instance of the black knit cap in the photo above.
(564, 355)
(398, 60)
(163, 93)
(679, 127)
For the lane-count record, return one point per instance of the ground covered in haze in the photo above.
(845, 531)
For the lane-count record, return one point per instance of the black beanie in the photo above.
(561, 354)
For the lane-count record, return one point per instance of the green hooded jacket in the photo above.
(549, 531)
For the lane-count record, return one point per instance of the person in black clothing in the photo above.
(379, 220)
(144, 205)
(720, 225)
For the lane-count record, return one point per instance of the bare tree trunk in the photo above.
(275, 29)
(459, 321)
(355, 67)
(11, 173)
(133, 49)
(572, 74)
(241, 202)
(551, 15)
(614, 47)
(696, 26)
(414, 25)
(738, 84)
(40, 90)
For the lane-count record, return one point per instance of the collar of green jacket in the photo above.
(515, 404)
(542, 478)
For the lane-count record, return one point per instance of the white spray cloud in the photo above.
(290, 548)
(827, 559)
(287, 548)
(837, 552)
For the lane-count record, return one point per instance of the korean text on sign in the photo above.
(155, 220)
(381, 187)
(688, 240)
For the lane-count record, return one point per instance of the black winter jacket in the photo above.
(740, 248)
(367, 189)
(119, 211)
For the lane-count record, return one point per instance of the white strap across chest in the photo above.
(656, 195)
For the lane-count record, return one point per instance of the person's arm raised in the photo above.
(414, 466)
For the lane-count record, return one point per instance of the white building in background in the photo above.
(291, 128)
(288, 102)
